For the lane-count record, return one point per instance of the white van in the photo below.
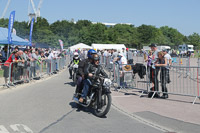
(184, 48)
(168, 48)
(132, 50)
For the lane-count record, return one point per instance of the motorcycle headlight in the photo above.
(75, 66)
(107, 82)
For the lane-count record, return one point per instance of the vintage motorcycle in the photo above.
(99, 96)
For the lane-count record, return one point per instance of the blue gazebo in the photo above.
(15, 39)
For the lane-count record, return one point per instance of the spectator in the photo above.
(34, 58)
(51, 55)
(154, 71)
(26, 65)
(20, 65)
(174, 54)
(7, 65)
(115, 54)
(122, 63)
(46, 53)
(43, 57)
(129, 56)
(148, 60)
(164, 74)
(188, 53)
(38, 62)
(168, 57)
(124, 52)
(16, 48)
(135, 53)
(4, 54)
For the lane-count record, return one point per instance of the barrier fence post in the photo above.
(10, 65)
(197, 86)
(188, 65)
(118, 76)
(51, 65)
(198, 81)
(114, 72)
(198, 67)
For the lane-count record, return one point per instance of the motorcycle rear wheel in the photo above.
(105, 108)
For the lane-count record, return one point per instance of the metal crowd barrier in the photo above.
(24, 72)
(184, 81)
(129, 79)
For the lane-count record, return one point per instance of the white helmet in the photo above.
(76, 55)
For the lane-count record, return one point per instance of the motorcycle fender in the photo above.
(106, 90)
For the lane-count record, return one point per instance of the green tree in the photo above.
(62, 28)
(173, 36)
(146, 34)
(158, 37)
(4, 23)
(97, 34)
(82, 23)
(194, 39)
(123, 34)
(22, 29)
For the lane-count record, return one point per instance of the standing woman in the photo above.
(162, 62)
(148, 60)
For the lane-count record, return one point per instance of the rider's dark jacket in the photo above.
(95, 70)
(82, 66)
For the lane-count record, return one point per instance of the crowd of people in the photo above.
(26, 63)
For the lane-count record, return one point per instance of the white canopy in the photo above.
(80, 46)
(118, 47)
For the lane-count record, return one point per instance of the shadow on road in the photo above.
(80, 108)
(84, 109)
(69, 83)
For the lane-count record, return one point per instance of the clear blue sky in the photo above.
(183, 15)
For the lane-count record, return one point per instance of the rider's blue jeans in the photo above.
(86, 87)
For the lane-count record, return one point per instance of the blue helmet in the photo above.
(90, 52)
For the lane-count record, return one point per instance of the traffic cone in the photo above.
(181, 62)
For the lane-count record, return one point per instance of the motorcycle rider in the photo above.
(91, 72)
(76, 60)
(81, 73)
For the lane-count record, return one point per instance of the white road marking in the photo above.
(3, 129)
(15, 128)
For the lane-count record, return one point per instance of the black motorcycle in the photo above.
(98, 97)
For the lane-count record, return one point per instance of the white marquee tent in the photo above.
(118, 47)
(79, 46)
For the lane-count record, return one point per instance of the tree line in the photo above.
(86, 32)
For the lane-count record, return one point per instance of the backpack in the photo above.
(140, 69)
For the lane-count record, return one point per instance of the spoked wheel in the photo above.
(106, 103)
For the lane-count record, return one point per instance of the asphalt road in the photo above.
(46, 106)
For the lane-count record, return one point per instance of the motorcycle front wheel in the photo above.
(106, 103)
(74, 78)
